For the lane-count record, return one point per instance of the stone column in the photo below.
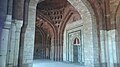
(118, 34)
(56, 47)
(3, 12)
(1, 26)
(52, 49)
(108, 48)
(28, 45)
(10, 53)
(112, 48)
(65, 47)
(61, 53)
(18, 24)
(88, 42)
(103, 59)
(4, 41)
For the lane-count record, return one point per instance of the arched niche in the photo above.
(76, 41)
(88, 27)
(48, 39)
(39, 35)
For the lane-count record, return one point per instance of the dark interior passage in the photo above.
(42, 45)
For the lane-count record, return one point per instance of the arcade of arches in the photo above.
(86, 32)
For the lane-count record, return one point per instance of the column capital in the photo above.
(19, 24)
(7, 24)
(32, 7)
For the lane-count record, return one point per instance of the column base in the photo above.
(9, 65)
(15, 66)
(26, 65)
(2, 60)
(116, 65)
(103, 65)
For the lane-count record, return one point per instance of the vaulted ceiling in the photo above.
(56, 13)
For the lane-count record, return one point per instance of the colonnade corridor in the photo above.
(49, 63)
(59, 33)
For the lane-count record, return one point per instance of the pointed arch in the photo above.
(76, 41)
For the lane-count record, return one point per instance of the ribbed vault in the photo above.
(52, 17)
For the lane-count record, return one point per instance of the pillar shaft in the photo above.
(17, 40)
(27, 50)
(4, 41)
(10, 52)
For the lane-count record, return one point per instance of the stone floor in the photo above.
(48, 63)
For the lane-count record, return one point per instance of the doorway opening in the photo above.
(55, 20)
(42, 45)
(75, 54)
(51, 20)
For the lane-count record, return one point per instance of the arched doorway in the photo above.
(58, 47)
(85, 25)
(38, 47)
(48, 33)
(76, 45)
